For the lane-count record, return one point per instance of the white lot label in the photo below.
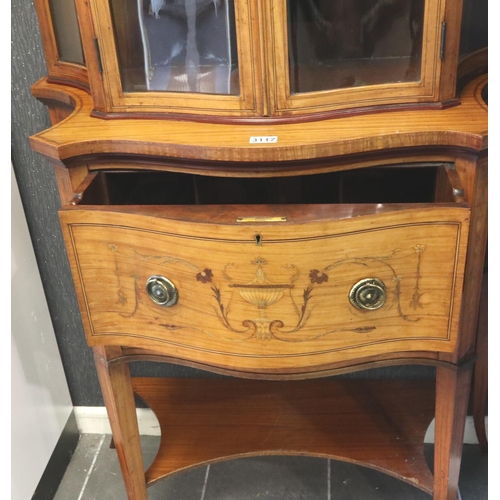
(260, 139)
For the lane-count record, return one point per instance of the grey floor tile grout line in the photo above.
(90, 477)
(205, 483)
(329, 480)
(91, 468)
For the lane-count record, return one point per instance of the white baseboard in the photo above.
(470, 436)
(94, 420)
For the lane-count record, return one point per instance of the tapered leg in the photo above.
(452, 393)
(119, 399)
(480, 387)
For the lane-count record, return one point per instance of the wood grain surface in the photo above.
(119, 399)
(380, 424)
(277, 301)
(463, 126)
(452, 395)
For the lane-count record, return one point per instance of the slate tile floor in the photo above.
(94, 474)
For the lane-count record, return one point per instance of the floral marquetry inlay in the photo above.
(273, 284)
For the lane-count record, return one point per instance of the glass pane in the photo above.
(351, 43)
(474, 35)
(177, 45)
(67, 32)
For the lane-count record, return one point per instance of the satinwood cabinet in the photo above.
(278, 191)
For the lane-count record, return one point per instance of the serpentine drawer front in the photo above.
(259, 294)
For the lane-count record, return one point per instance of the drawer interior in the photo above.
(422, 183)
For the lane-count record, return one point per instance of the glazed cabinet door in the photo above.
(62, 41)
(177, 56)
(331, 55)
(250, 58)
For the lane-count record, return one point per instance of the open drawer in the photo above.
(274, 275)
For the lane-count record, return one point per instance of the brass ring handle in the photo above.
(162, 291)
(368, 294)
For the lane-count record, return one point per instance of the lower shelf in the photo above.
(380, 424)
